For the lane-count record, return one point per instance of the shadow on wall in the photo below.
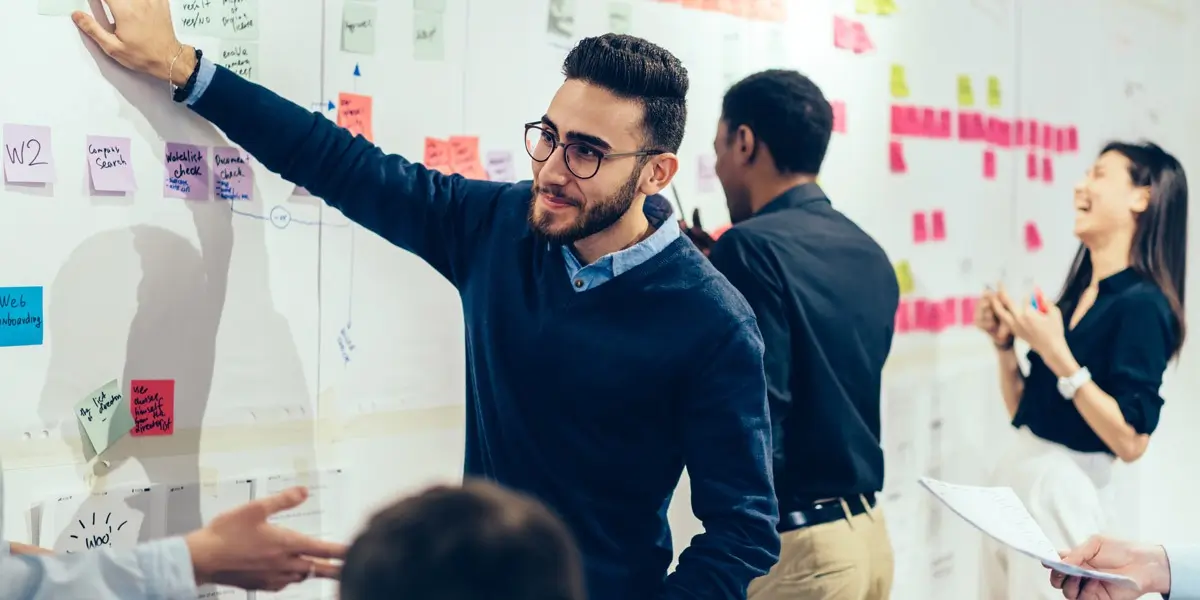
(180, 305)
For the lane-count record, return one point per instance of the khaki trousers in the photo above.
(848, 559)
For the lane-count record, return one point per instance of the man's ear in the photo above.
(745, 143)
(662, 169)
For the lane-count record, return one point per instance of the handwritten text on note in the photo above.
(152, 402)
(27, 157)
(187, 172)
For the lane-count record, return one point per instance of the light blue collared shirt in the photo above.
(1185, 571)
(152, 571)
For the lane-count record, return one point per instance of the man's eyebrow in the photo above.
(575, 136)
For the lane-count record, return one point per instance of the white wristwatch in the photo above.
(1067, 386)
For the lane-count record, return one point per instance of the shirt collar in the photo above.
(1119, 281)
(658, 212)
(805, 193)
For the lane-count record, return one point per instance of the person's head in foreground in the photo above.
(618, 120)
(773, 133)
(1131, 209)
(464, 543)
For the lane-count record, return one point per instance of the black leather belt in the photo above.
(824, 512)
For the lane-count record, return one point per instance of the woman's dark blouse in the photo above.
(1125, 340)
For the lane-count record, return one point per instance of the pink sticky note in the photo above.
(1033, 238)
(839, 116)
(929, 122)
(1034, 129)
(966, 313)
(964, 127)
(1001, 132)
(1020, 141)
(1047, 169)
(1072, 139)
(937, 221)
(904, 321)
(1031, 166)
(232, 176)
(152, 403)
(1047, 136)
(187, 172)
(919, 228)
(948, 313)
(922, 320)
(896, 158)
(110, 164)
(945, 126)
(843, 33)
(1060, 140)
(862, 41)
(27, 155)
(989, 164)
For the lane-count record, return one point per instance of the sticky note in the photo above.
(966, 97)
(239, 57)
(920, 230)
(921, 318)
(1072, 139)
(1047, 136)
(993, 91)
(620, 17)
(1020, 137)
(21, 316)
(864, 7)
(885, 7)
(929, 122)
(464, 149)
(989, 164)
(937, 220)
(1034, 130)
(429, 42)
(560, 18)
(437, 153)
(473, 170)
(904, 320)
(1031, 166)
(1033, 238)
(110, 164)
(944, 125)
(947, 313)
(105, 416)
(232, 20)
(839, 116)
(904, 277)
(60, 8)
(896, 162)
(233, 179)
(967, 307)
(1047, 169)
(152, 402)
(898, 83)
(187, 172)
(1060, 140)
(355, 113)
(843, 33)
(27, 154)
(499, 165)
(862, 41)
(430, 5)
(358, 27)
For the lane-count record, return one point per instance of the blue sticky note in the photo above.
(21, 316)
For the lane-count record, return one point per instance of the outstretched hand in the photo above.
(1146, 565)
(141, 37)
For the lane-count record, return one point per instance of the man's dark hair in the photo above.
(636, 69)
(464, 543)
(787, 112)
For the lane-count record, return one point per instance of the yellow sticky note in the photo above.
(885, 7)
(904, 277)
(966, 97)
(104, 415)
(865, 7)
(899, 84)
(993, 91)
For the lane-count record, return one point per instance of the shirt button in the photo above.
(579, 283)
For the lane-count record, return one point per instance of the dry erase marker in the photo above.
(1039, 302)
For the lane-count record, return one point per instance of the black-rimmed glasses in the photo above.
(583, 160)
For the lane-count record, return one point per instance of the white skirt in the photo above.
(1069, 496)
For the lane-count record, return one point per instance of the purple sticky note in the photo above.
(187, 172)
(233, 178)
(27, 156)
(706, 174)
(110, 164)
(499, 166)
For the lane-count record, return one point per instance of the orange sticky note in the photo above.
(989, 164)
(896, 158)
(473, 170)
(464, 149)
(355, 114)
(437, 153)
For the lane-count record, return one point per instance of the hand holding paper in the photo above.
(1145, 566)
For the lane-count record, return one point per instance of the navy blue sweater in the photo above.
(592, 401)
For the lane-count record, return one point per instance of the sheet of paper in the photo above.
(896, 162)
(105, 416)
(60, 8)
(429, 39)
(187, 172)
(898, 83)
(966, 96)
(191, 505)
(560, 19)
(27, 154)
(358, 27)
(152, 402)
(318, 517)
(233, 178)
(117, 519)
(21, 316)
(499, 165)
(999, 513)
(993, 92)
(110, 164)
(239, 57)
(620, 17)
(356, 114)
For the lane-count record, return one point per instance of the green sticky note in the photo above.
(429, 42)
(60, 8)
(105, 416)
(620, 17)
(240, 57)
(358, 27)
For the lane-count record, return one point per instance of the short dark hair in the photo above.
(464, 543)
(787, 112)
(636, 69)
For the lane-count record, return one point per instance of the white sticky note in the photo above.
(239, 57)
(358, 27)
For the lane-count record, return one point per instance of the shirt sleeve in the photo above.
(157, 570)
(740, 262)
(1142, 347)
(726, 443)
(1184, 561)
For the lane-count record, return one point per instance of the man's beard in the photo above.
(593, 217)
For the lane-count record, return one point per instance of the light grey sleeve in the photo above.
(1185, 571)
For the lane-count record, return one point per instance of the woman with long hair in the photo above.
(1096, 357)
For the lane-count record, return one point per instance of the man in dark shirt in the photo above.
(572, 397)
(825, 295)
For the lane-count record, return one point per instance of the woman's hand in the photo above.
(987, 321)
(1043, 332)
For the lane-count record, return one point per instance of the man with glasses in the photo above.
(604, 352)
